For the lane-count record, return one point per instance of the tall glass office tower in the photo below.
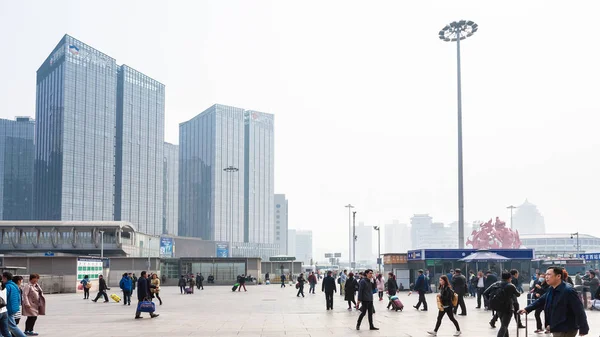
(75, 134)
(17, 152)
(171, 189)
(211, 199)
(140, 151)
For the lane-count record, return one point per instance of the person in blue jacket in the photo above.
(562, 307)
(126, 284)
(13, 302)
(421, 287)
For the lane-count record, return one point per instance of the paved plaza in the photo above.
(262, 311)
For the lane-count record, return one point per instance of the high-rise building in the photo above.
(418, 223)
(99, 140)
(75, 134)
(139, 163)
(397, 238)
(226, 176)
(528, 220)
(304, 246)
(291, 243)
(17, 152)
(364, 243)
(171, 189)
(259, 177)
(281, 223)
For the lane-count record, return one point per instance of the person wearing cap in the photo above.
(421, 287)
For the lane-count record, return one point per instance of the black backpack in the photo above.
(498, 298)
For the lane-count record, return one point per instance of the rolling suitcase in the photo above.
(397, 305)
(189, 290)
(115, 298)
(235, 286)
(530, 298)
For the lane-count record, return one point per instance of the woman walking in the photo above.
(392, 287)
(301, 282)
(156, 289)
(380, 282)
(444, 302)
(350, 290)
(18, 280)
(34, 303)
(85, 283)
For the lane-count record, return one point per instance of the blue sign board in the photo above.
(167, 247)
(222, 249)
(48, 254)
(457, 254)
(590, 256)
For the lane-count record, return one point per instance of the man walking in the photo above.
(101, 289)
(563, 309)
(343, 278)
(126, 286)
(515, 281)
(282, 280)
(365, 295)
(459, 283)
(328, 287)
(501, 296)
(480, 287)
(143, 294)
(490, 279)
(200, 281)
(420, 286)
(13, 303)
(312, 281)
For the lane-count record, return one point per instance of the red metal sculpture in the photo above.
(493, 236)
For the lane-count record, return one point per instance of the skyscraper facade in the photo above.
(226, 183)
(281, 223)
(397, 238)
(304, 245)
(17, 152)
(170, 189)
(139, 152)
(211, 199)
(259, 177)
(75, 134)
(364, 243)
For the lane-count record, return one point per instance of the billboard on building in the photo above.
(222, 249)
(167, 247)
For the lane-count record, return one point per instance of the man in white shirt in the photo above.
(480, 287)
(343, 278)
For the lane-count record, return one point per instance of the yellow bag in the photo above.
(115, 298)
(455, 300)
(88, 285)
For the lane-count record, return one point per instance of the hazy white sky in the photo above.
(364, 96)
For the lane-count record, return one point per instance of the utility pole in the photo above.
(350, 207)
(354, 241)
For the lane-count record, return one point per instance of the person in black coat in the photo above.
(349, 290)
(101, 289)
(459, 283)
(365, 295)
(392, 287)
(328, 287)
(143, 294)
(490, 279)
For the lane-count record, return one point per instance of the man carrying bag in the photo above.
(143, 293)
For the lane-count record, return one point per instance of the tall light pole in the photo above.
(511, 207)
(149, 243)
(577, 242)
(230, 169)
(378, 229)
(354, 237)
(102, 246)
(350, 207)
(457, 31)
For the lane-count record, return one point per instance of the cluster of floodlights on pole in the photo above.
(457, 31)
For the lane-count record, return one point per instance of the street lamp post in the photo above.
(511, 207)
(230, 169)
(354, 239)
(457, 31)
(350, 207)
(102, 246)
(149, 244)
(378, 229)
(576, 242)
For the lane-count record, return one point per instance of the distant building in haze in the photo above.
(17, 153)
(364, 243)
(304, 246)
(528, 220)
(171, 189)
(396, 238)
(281, 223)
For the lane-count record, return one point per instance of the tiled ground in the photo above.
(262, 311)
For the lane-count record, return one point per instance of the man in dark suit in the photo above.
(490, 279)
(329, 287)
(421, 287)
(143, 293)
(102, 288)
(459, 283)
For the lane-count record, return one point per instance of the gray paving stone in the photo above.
(266, 311)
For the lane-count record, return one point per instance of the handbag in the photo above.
(146, 306)
(2, 302)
